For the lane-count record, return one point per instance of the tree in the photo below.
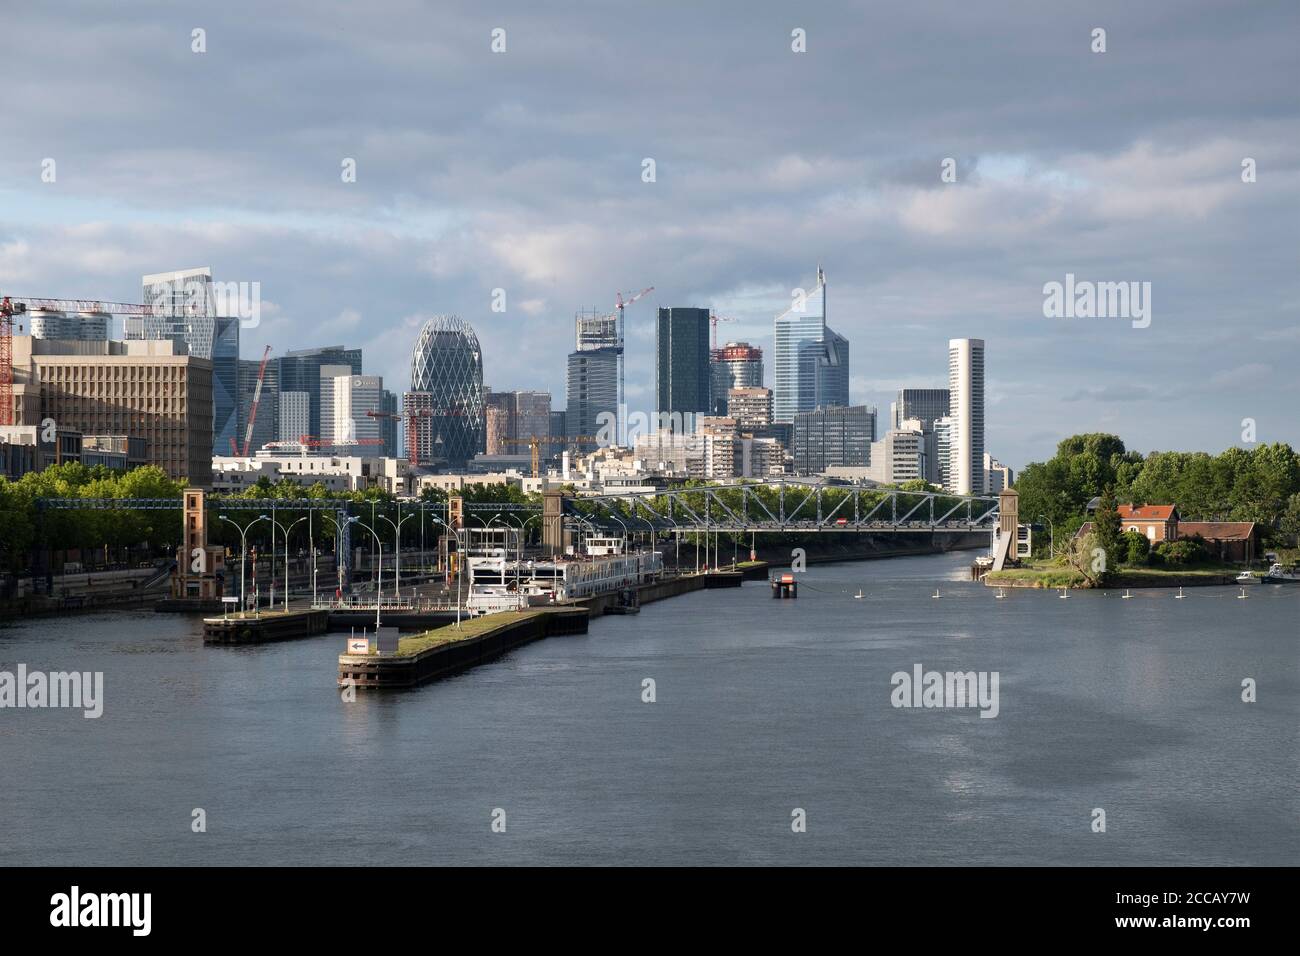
(1105, 525)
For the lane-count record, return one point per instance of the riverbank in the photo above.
(1124, 578)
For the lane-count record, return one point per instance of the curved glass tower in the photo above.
(446, 394)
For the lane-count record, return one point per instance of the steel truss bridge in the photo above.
(799, 508)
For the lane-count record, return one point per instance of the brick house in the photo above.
(1157, 522)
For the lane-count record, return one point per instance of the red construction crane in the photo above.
(714, 319)
(412, 445)
(17, 305)
(257, 397)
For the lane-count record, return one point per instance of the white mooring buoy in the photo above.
(1179, 595)
(935, 594)
(1127, 595)
(1064, 593)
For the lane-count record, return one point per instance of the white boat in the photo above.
(1247, 577)
(1277, 574)
(499, 582)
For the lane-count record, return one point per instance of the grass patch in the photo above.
(450, 633)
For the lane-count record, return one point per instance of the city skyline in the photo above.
(1139, 179)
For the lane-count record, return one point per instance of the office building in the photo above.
(149, 390)
(682, 379)
(299, 371)
(922, 404)
(388, 424)
(839, 436)
(78, 326)
(591, 390)
(810, 364)
(185, 310)
(966, 409)
(447, 383)
(750, 407)
(735, 365)
(997, 476)
(356, 402)
(497, 426)
(900, 455)
(941, 470)
(295, 417)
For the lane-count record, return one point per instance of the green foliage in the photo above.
(1134, 547)
(1260, 485)
(1181, 553)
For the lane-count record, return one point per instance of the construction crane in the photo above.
(18, 305)
(714, 319)
(252, 411)
(535, 442)
(620, 304)
(413, 446)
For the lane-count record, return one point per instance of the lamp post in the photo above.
(397, 532)
(380, 583)
(338, 543)
(460, 561)
(243, 557)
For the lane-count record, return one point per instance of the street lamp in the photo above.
(397, 532)
(338, 564)
(243, 557)
(380, 583)
(460, 563)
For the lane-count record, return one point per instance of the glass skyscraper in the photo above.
(299, 371)
(810, 361)
(447, 382)
(682, 379)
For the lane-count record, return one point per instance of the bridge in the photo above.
(792, 508)
(742, 507)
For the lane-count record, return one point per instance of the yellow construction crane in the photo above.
(535, 443)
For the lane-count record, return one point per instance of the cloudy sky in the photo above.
(522, 170)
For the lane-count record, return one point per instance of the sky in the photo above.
(523, 170)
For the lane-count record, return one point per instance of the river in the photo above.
(761, 707)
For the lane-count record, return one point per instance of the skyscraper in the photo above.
(833, 437)
(682, 380)
(924, 404)
(591, 391)
(447, 381)
(810, 362)
(185, 311)
(299, 371)
(735, 365)
(966, 401)
(354, 397)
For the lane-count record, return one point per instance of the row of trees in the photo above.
(1261, 484)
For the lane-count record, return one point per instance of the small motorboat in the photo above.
(1247, 577)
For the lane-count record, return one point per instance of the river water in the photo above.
(761, 707)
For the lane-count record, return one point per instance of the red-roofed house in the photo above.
(1157, 522)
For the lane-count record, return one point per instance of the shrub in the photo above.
(1135, 547)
